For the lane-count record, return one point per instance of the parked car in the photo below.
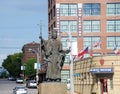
(11, 78)
(19, 80)
(31, 84)
(20, 90)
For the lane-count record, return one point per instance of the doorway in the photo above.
(104, 87)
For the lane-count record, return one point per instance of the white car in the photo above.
(20, 90)
(19, 80)
(31, 84)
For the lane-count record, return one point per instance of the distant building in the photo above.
(3, 70)
(28, 51)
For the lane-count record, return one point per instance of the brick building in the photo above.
(89, 21)
(28, 51)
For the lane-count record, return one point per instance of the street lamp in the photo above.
(71, 64)
(71, 61)
(38, 61)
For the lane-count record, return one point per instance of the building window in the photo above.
(65, 74)
(68, 9)
(113, 26)
(64, 42)
(67, 60)
(89, 41)
(65, 26)
(113, 9)
(91, 26)
(91, 9)
(112, 41)
(66, 45)
(111, 84)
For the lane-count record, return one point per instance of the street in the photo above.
(6, 87)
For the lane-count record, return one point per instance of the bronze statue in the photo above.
(54, 55)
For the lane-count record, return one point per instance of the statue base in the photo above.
(52, 88)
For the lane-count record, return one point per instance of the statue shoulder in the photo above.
(59, 41)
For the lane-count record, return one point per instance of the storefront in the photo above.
(103, 75)
(91, 76)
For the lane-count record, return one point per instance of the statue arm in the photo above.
(64, 51)
(43, 43)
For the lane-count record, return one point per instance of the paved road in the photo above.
(6, 87)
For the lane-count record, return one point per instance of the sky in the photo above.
(20, 24)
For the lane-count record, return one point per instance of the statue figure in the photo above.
(54, 55)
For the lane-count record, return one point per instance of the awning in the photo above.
(101, 70)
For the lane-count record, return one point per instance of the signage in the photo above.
(37, 65)
(101, 70)
(77, 74)
(22, 67)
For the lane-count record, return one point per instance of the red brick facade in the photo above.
(52, 12)
(27, 53)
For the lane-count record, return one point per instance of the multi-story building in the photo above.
(89, 21)
(28, 51)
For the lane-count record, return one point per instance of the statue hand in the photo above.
(67, 51)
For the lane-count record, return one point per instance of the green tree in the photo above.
(4, 74)
(13, 64)
(29, 67)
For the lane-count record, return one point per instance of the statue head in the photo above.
(54, 34)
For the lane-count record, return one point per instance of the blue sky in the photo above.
(19, 21)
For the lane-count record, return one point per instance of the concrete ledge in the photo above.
(52, 88)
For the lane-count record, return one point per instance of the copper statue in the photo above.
(54, 55)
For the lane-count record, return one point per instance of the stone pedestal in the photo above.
(52, 88)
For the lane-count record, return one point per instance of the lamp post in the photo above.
(71, 61)
(37, 70)
(71, 64)
(38, 61)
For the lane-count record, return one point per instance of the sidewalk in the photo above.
(68, 92)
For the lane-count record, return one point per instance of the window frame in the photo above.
(91, 9)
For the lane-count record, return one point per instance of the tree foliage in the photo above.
(29, 67)
(4, 74)
(13, 64)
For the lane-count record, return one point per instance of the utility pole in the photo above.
(39, 53)
(40, 39)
